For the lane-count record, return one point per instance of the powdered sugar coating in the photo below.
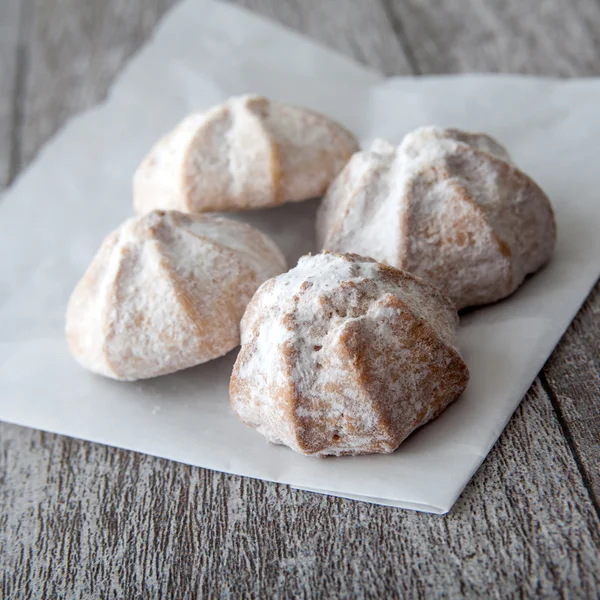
(446, 205)
(343, 355)
(247, 153)
(165, 292)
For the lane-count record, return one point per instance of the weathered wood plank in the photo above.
(91, 521)
(13, 23)
(513, 36)
(74, 51)
(573, 382)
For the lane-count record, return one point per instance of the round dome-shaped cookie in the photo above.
(165, 292)
(343, 355)
(446, 205)
(246, 153)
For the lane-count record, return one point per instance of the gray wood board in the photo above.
(90, 521)
(571, 378)
(11, 58)
(513, 36)
(81, 520)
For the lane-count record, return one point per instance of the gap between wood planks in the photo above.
(398, 28)
(569, 440)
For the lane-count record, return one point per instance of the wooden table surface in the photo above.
(81, 520)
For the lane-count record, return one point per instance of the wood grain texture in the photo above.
(92, 521)
(512, 36)
(73, 51)
(12, 25)
(572, 379)
(83, 520)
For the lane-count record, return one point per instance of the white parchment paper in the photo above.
(79, 189)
